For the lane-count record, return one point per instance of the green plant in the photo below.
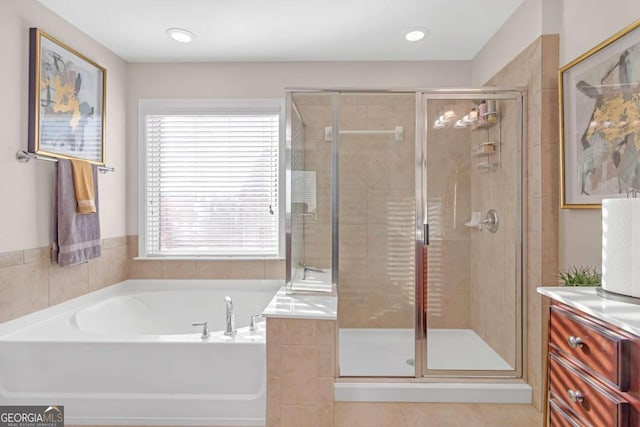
(580, 276)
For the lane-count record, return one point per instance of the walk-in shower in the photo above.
(409, 203)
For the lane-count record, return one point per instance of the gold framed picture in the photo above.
(66, 101)
(600, 122)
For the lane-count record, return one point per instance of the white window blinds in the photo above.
(212, 185)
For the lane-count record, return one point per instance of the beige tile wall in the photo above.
(536, 69)
(224, 269)
(448, 208)
(376, 189)
(300, 372)
(494, 283)
(29, 281)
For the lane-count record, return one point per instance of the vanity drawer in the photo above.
(599, 351)
(590, 402)
(559, 418)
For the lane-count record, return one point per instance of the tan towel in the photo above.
(83, 184)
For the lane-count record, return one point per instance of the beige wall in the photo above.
(585, 23)
(267, 80)
(27, 188)
(582, 24)
(535, 68)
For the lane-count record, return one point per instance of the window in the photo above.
(211, 181)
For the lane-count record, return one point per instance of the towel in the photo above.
(75, 238)
(83, 183)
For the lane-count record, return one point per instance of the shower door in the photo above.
(408, 205)
(470, 253)
(375, 218)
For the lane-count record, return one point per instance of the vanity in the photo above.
(593, 359)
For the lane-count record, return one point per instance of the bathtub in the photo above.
(128, 354)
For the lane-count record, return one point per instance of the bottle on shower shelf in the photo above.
(492, 116)
(482, 113)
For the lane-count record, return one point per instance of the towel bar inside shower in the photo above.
(24, 156)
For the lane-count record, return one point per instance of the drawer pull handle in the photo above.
(575, 342)
(575, 396)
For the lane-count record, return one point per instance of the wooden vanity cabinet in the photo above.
(593, 372)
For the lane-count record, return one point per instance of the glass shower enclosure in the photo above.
(408, 205)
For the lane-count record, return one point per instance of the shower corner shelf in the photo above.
(486, 125)
(488, 166)
(493, 159)
(480, 153)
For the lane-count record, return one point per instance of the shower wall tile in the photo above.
(354, 205)
(448, 208)
(300, 372)
(536, 68)
(376, 206)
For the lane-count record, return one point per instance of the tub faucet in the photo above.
(231, 318)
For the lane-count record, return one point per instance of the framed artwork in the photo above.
(600, 122)
(66, 101)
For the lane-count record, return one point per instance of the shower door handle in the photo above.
(425, 234)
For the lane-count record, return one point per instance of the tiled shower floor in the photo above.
(390, 352)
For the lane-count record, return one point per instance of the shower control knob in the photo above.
(575, 396)
(575, 342)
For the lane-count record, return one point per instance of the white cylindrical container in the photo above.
(621, 246)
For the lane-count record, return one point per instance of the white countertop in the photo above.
(624, 315)
(323, 306)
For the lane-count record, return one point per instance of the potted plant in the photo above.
(580, 276)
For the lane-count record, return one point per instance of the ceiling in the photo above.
(288, 30)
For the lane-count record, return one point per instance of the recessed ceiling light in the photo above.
(180, 35)
(415, 35)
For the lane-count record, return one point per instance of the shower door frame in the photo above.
(517, 94)
(421, 230)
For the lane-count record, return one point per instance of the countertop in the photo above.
(624, 315)
(303, 305)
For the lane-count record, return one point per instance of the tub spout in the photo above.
(231, 318)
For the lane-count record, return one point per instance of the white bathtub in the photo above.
(127, 354)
